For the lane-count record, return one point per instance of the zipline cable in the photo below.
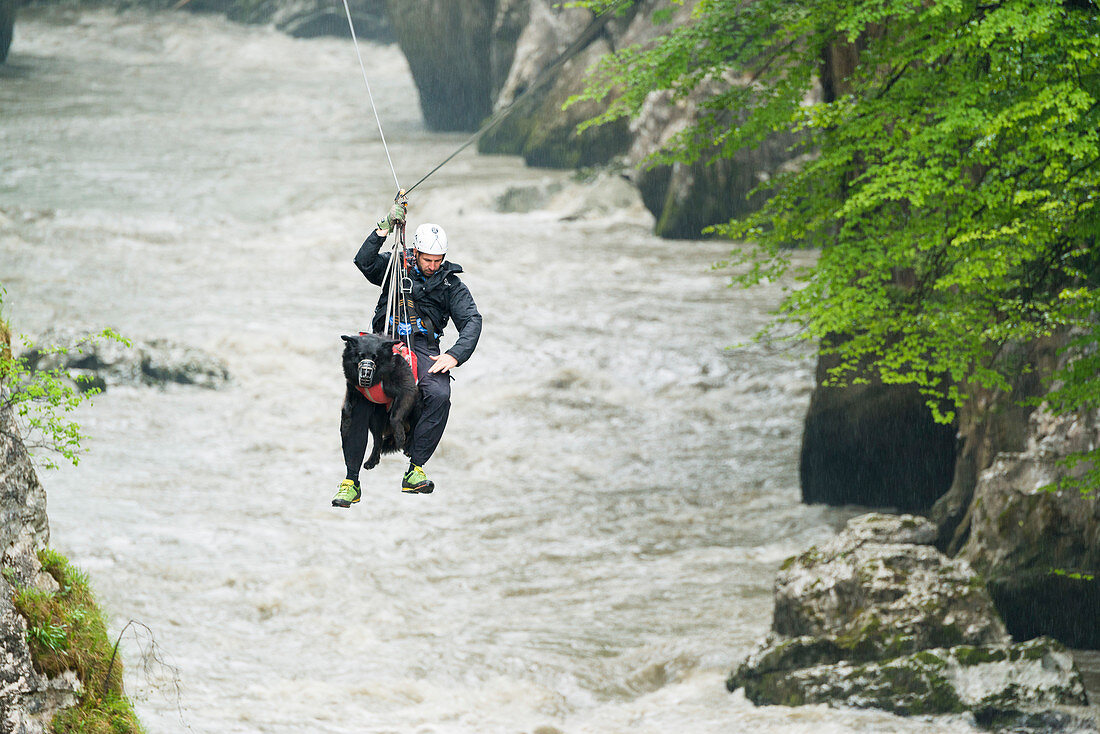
(355, 42)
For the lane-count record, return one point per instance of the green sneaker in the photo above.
(417, 482)
(347, 494)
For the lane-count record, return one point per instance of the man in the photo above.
(437, 297)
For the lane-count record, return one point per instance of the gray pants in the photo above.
(435, 404)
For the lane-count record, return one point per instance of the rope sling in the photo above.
(400, 309)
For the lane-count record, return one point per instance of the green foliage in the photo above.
(66, 631)
(41, 400)
(952, 184)
(51, 636)
(1075, 575)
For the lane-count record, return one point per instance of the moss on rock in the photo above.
(66, 632)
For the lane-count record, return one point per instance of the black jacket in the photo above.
(438, 298)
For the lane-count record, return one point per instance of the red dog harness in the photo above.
(375, 393)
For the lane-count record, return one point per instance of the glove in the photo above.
(396, 214)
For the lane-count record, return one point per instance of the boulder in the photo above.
(875, 445)
(110, 362)
(877, 617)
(877, 590)
(1001, 684)
(1038, 546)
(447, 44)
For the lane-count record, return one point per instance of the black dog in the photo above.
(369, 359)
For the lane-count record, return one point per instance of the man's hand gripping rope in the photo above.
(395, 215)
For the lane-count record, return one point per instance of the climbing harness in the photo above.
(373, 391)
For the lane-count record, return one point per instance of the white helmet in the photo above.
(430, 239)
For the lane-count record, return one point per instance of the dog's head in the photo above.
(368, 358)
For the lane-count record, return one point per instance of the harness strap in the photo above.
(375, 393)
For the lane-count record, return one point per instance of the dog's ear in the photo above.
(348, 339)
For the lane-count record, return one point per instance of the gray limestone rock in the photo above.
(109, 362)
(873, 444)
(877, 593)
(473, 57)
(1038, 546)
(879, 618)
(997, 682)
(28, 701)
(538, 128)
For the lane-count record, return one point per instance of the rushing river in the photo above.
(617, 485)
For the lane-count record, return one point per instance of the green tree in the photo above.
(952, 184)
(41, 401)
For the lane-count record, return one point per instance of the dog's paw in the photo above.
(371, 463)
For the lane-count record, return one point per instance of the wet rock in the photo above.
(686, 198)
(537, 128)
(447, 44)
(110, 362)
(1038, 547)
(878, 618)
(28, 701)
(512, 60)
(874, 445)
(24, 528)
(999, 683)
(7, 24)
(520, 199)
(990, 423)
(875, 592)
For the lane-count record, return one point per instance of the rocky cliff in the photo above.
(875, 445)
(59, 671)
(7, 22)
(446, 43)
(507, 52)
(1037, 548)
(28, 699)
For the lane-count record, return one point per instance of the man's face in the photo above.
(428, 264)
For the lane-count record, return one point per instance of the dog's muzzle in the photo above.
(366, 373)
